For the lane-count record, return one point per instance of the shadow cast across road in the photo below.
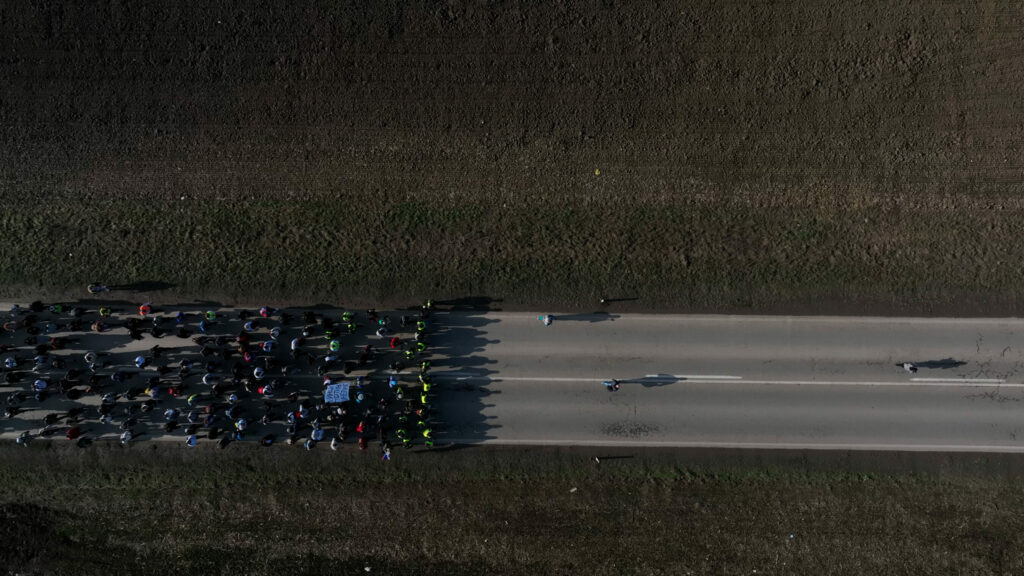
(464, 374)
(599, 316)
(944, 364)
(652, 381)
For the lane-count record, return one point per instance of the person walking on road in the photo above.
(612, 385)
(547, 319)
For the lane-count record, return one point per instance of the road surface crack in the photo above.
(629, 429)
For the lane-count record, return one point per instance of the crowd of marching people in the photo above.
(226, 376)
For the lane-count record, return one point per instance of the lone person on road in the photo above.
(909, 367)
(612, 385)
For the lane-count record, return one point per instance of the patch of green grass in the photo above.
(688, 254)
(507, 511)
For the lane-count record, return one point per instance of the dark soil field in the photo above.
(160, 509)
(725, 156)
(790, 156)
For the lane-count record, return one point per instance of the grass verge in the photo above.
(164, 510)
(697, 254)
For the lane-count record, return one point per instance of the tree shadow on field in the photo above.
(479, 303)
(599, 316)
(143, 286)
(599, 459)
(452, 447)
(614, 300)
(207, 305)
(321, 307)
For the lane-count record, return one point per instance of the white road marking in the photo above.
(692, 377)
(459, 376)
(957, 384)
(962, 380)
(724, 318)
(522, 379)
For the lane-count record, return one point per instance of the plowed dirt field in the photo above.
(783, 156)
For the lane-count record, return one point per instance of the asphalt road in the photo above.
(712, 381)
(738, 381)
